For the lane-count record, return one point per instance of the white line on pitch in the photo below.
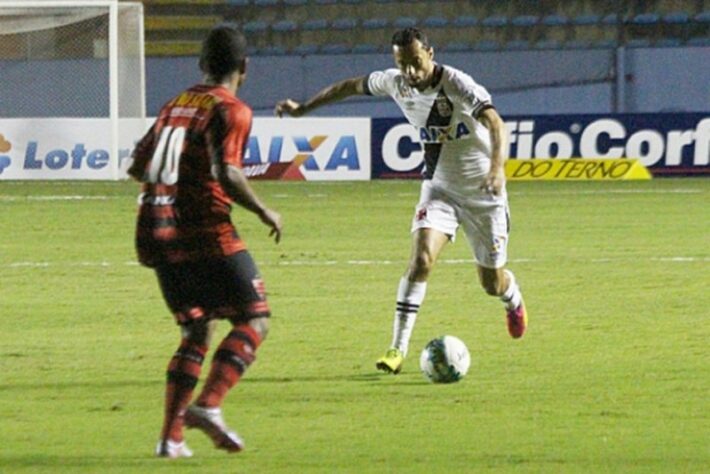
(13, 198)
(327, 263)
(531, 193)
(9, 198)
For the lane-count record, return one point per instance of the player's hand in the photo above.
(290, 107)
(273, 220)
(494, 182)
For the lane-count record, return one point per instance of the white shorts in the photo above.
(485, 221)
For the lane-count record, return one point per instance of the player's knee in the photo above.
(421, 266)
(198, 331)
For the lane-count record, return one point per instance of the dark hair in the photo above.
(224, 51)
(407, 36)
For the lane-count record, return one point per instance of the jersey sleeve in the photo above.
(473, 96)
(229, 134)
(380, 83)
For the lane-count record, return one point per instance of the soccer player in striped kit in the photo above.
(464, 179)
(189, 164)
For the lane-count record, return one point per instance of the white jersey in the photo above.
(457, 146)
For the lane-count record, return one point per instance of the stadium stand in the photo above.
(435, 22)
(555, 20)
(305, 49)
(455, 46)
(344, 24)
(365, 48)
(375, 23)
(486, 45)
(314, 25)
(550, 44)
(284, 26)
(699, 41)
(495, 21)
(175, 27)
(525, 21)
(404, 22)
(465, 21)
(336, 48)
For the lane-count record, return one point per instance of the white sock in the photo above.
(512, 297)
(410, 295)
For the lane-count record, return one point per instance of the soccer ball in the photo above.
(445, 360)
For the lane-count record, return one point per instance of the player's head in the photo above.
(414, 57)
(224, 54)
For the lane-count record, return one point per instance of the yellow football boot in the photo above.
(391, 362)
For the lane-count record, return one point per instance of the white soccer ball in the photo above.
(445, 360)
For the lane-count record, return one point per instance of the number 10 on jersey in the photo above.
(165, 164)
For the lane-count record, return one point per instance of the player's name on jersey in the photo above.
(576, 169)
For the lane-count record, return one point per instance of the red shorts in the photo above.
(223, 287)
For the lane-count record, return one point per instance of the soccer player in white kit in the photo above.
(464, 178)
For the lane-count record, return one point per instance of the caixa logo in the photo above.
(317, 153)
(5, 147)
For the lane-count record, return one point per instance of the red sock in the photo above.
(234, 355)
(183, 373)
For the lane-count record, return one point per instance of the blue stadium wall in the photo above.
(522, 82)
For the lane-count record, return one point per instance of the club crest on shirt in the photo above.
(443, 106)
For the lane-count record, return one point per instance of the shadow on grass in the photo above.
(373, 377)
(35, 462)
(81, 385)
(363, 378)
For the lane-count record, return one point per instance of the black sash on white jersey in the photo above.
(439, 116)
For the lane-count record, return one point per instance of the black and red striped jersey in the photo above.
(184, 213)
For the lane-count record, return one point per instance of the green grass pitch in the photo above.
(612, 376)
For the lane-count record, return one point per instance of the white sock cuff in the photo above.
(511, 277)
(411, 291)
(511, 297)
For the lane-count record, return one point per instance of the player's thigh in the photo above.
(487, 231)
(435, 211)
(428, 242)
(182, 291)
(240, 293)
(227, 287)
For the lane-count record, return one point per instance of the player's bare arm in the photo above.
(237, 187)
(141, 155)
(333, 93)
(496, 176)
(135, 171)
